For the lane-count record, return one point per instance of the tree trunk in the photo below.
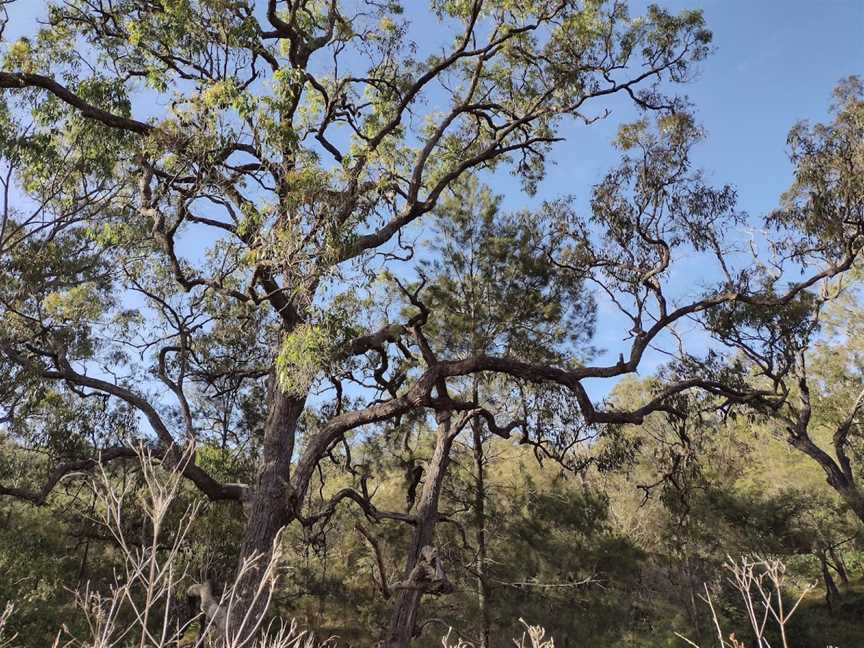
(268, 511)
(480, 523)
(839, 565)
(842, 481)
(82, 569)
(832, 594)
(403, 620)
(693, 587)
(855, 500)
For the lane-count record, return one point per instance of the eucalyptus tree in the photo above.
(788, 367)
(200, 194)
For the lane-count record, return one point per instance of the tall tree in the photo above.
(494, 292)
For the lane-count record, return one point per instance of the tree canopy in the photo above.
(257, 236)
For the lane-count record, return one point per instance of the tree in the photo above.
(778, 345)
(212, 267)
(493, 292)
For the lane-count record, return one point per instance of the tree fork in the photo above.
(403, 620)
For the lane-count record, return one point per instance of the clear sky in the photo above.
(775, 62)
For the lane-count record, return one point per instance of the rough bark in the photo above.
(853, 496)
(832, 593)
(840, 478)
(268, 509)
(839, 565)
(480, 526)
(403, 621)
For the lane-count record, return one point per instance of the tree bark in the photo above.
(268, 510)
(855, 500)
(832, 594)
(839, 565)
(403, 620)
(693, 587)
(480, 524)
(842, 481)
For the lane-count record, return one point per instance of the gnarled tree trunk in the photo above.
(403, 621)
(268, 509)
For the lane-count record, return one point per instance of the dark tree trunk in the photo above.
(856, 501)
(480, 524)
(82, 568)
(268, 510)
(832, 594)
(694, 589)
(839, 477)
(403, 620)
(839, 565)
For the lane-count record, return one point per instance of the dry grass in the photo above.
(7, 639)
(140, 608)
(532, 637)
(762, 585)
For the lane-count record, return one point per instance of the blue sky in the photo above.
(775, 62)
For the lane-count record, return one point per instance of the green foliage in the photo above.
(310, 349)
(177, 275)
(825, 199)
(493, 287)
(303, 354)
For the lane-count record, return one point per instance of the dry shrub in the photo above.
(532, 637)
(762, 585)
(140, 608)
